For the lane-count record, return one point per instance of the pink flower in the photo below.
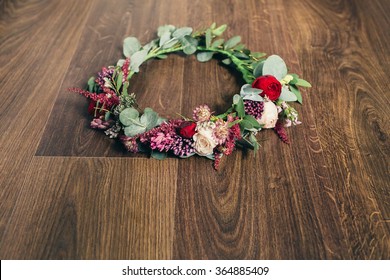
(100, 124)
(202, 113)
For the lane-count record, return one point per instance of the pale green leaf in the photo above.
(287, 95)
(274, 65)
(297, 93)
(137, 59)
(130, 46)
(232, 42)
(219, 30)
(302, 83)
(134, 129)
(258, 70)
(181, 32)
(217, 43)
(204, 56)
(208, 38)
(128, 115)
(165, 28)
(149, 118)
(158, 155)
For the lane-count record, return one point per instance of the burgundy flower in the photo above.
(270, 86)
(187, 129)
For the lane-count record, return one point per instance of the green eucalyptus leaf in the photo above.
(150, 45)
(258, 70)
(302, 83)
(217, 43)
(181, 32)
(137, 59)
(187, 156)
(128, 115)
(189, 44)
(204, 56)
(120, 62)
(134, 129)
(208, 38)
(297, 93)
(274, 65)
(219, 30)
(227, 61)
(287, 95)
(232, 42)
(164, 29)
(158, 155)
(170, 43)
(160, 120)
(149, 118)
(130, 46)
(165, 37)
(241, 55)
(249, 93)
(236, 99)
(239, 47)
(258, 54)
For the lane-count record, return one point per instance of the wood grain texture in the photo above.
(68, 192)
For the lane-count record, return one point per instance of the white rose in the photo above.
(269, 116)
(204, 143)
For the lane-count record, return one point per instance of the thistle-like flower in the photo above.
(202, 113)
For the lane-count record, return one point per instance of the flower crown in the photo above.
(261, 104)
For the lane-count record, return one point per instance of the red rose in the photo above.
(187, 129)
(270, 86)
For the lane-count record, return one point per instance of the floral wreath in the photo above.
(261, 104)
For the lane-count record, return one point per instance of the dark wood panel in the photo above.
(76, 209)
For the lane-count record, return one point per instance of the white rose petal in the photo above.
(204, 142)
(269, 116)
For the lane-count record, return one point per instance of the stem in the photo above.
(239, 64)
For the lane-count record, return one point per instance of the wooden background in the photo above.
(68, 192)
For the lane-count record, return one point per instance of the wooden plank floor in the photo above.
(67, 192)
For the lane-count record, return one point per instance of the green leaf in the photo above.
(165, 37)
(119, 80)
(213, 25)
(158, 155)
(137, 59)
(162, 56)
(232, 42)
(258, 54)
(164, 29)
(239, 47)
(254, 142)
(219, 30)
(217, 43)
(130, 46)
(246, 125)
(170, 43)
(91, 84)
(128, 115)
(227, 61)
(149, 118)
(107, 115)
(204, 56)
(120, 62)
(189, 44)
(287, 95)
(125, 87)
(241, 55)
(274, 65)
(252, 121)
(238, 104)
(181, 32)
(294, 80)
(249, 93)
(208, 38)
(133, 130)
(303, 83)
(258, 70)
(297, 93)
